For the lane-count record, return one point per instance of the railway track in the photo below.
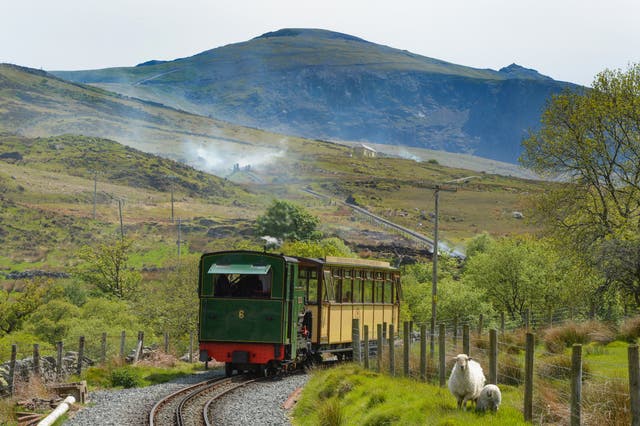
(380, 220)
(192, 405)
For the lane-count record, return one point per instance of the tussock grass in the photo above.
(557, 339)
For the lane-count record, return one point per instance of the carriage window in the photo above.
(387, 292)
(347, 291)
(313, 287)
(378, 291)
(357, 288)
(368, 289)
(329, 294)
(337, 284)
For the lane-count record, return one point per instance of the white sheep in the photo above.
(489, 398)
(466, 380)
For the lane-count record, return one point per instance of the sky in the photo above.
(568, 40)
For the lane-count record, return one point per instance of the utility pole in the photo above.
(434, 260)
(434, 278)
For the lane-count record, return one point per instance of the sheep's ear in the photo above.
(469, 358)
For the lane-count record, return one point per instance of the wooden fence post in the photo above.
(634, 384)
(502, 323)
(441, 355)
(405, 348)
(36, 359)
(392, 356)
(366, 346)
(355, 339)
(80, 355)
(465, 339)
(379, 349)
(576, 385)
(191, 347)
(384, 332)
(139, 346)
(166, 342)
(12, 368)
(123, 336)
(103, 348)
(528, 378)
(493, 356)
(59, 358)
(423, 352)
(480, 325)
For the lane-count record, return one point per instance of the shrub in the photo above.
(559, 367)
(125, 377)
(630, 329)
(556, 339)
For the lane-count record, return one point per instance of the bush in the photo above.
(559, 367)
(556, 339)
(630, 329)
(125, 377)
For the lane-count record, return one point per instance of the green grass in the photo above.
(102, 377)
(350, 395)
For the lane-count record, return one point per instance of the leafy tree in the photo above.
(592, 139)
(288, 221)
(106, 267)
(517, 275)
(18, 304)
(316, 249)
(416, 288)
(51, 321)
(171, 304)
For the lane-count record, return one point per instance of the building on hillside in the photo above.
(363, 150)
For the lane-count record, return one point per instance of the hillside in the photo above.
(321, 84)
(47, 199)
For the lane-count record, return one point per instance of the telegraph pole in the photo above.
(434, 278)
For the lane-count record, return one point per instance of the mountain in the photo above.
(322, 84)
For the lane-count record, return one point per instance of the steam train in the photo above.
(266, 312)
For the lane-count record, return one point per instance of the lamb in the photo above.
(466, 380)
(489, 398)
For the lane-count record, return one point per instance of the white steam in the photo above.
(220, 158)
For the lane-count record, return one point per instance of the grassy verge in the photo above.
(350, 395)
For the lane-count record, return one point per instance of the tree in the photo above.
(592, 139)
(17, 304)
(106, 267)
(288, 221)
(172, 302)
(316, 249)
(517, 275)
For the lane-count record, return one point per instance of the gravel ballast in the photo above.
(258, 405)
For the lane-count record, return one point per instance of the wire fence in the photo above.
(592, 388)
(56, 362)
